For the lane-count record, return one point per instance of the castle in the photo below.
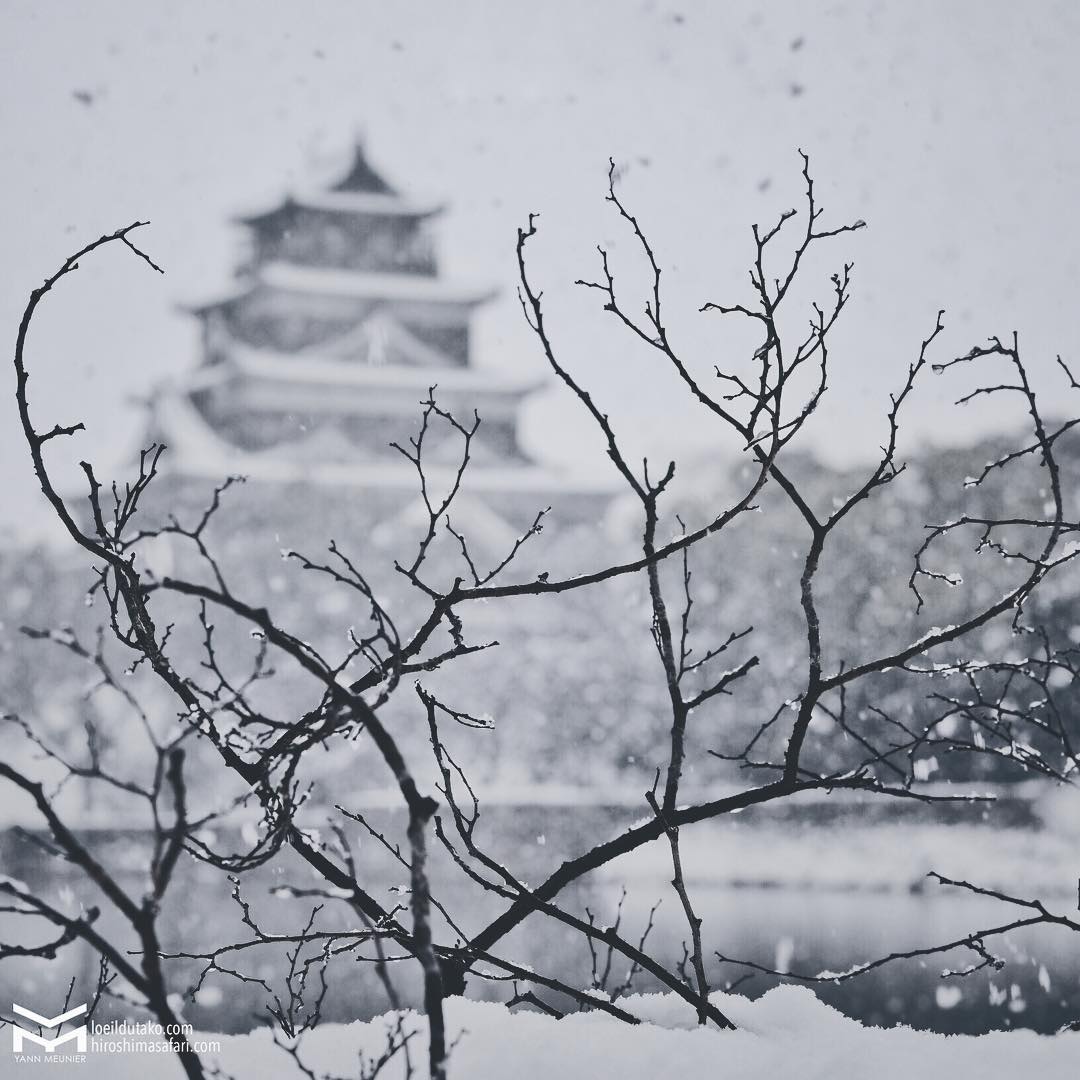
(320, 359)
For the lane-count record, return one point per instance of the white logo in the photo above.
(50, 1023)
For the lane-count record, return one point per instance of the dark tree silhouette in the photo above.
(765, 401)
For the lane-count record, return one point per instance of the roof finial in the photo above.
(361, 176)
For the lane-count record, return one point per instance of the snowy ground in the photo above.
(786, 1030)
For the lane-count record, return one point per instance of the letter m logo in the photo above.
(50, 1023)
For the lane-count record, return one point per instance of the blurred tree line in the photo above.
(576, 672)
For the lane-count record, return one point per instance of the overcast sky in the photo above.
(950, 128)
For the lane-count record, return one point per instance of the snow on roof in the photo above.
(388, 475)
(292, 277)
(195, 449)
(365, 202)
(345, 202)
(315, 369)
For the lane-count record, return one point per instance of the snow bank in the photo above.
(786, 1032)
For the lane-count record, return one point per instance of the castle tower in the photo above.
(319, 360)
